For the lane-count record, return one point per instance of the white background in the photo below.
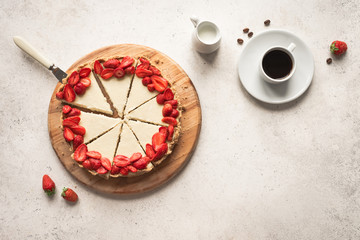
(259, 172)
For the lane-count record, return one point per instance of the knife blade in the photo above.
(34, 53)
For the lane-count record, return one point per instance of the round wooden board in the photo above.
(190, 125)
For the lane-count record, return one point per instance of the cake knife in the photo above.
(29, 49)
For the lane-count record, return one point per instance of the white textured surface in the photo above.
(259, 171)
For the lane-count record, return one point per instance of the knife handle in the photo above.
(29, 49)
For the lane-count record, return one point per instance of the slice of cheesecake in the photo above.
(150, 112)
(93, 99)
(96, 124)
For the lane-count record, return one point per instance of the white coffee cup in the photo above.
(206, 36)
(288, 73)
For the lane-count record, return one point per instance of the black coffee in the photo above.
(277, 64)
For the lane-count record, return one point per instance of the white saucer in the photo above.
(248, 67)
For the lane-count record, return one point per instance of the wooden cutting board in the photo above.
(190, 123)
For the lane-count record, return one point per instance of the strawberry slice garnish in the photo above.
(158, 139)
(71, 121)
(168, 94)
(160, 83)
(162, 150)
(171, 132)
(84, 72)
(74, 78)
(150, 151)
(86, 164)
(69, 94)
(115, 170)
(112, 63)
(75, 119)
(174, 103)
(130, 70)
(126, 62)
(141, 163)
(79, 88)
(160, 98)
(93, 154)
(66, 109)
(107, 73)
(124, 171)
(155, 70)
(80, 153)
(101, 170)
(98, 68)
(60, 95)
(68, 134)
(78, 140)
(136, 156)
(164, 130)
(151, 87)
(175, 113)
(74, 112)
(169, 120)
(86, 82)
(105, 162)
(167, 110)
(119, 72)
(132, 168)
(79, 130)
(146, 81)
(121, 161)
(142, 72)
(95, 163)
(144, 63)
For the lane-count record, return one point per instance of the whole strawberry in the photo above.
(48, 185)
(69, 195)
(338, 47)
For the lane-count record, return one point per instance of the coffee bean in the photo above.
(250, 34)
(240, 41)
(329, 60)
(267, 22)
(246, 30)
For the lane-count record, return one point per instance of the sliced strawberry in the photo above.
(119, 72)
(121, 161)
(80, 153)
(150, 151)
(130, 70)
(112, 63)
(158, 139)
(74, 78)
(95, 163)
(74, 119)
(79, 88)
(175, 113)
(145, 63)
(142, 72)
(160, 83)
(74, 112)
(171, 132)
(169, 95)
(174, 103)
(66, 109)
(78, 140)
(84, 72)
(141, 163)
(93, 154)
(155, 70)
(115, 170)
(98, 68)
(164, 130)
(124, 171)
(132, 168)
(68, 123)
(68, 134)
(60, 95)
(135, 157)
(86, 82)
(169, 120)
(143, 66)
(105, 162)
(126, 62)
(69, 94)
(79, 130)
(151, 87)
(162, 150)
(167, 110)
(146, 81)
(86, 164)
(107, 73)
(101, 170)
(160, 98)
